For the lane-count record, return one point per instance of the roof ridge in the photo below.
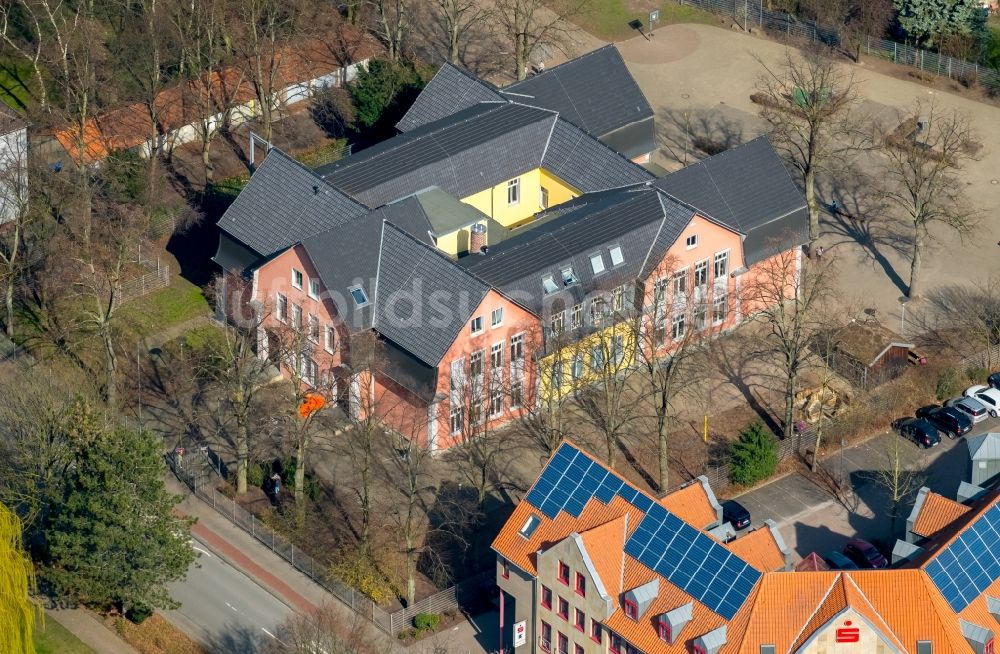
(586, 134)
(819, 605)
(467, 73)
(564, 64)
(976, 515)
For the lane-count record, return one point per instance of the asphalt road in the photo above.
(813, 516)
(229, 611)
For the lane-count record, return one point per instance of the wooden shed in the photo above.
(867, 354)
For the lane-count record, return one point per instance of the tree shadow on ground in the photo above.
(731, 357)
(856, 212)
(690, 135)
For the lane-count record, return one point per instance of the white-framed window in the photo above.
(597, 357)
(660, 331)
(514, 191)
(556, 323)
(618, 299)
(677, 326)
(516, 393)
(679, 282)
(617, 258)
(314, 288)
(281, 308)
(721, 267)
(455, 420)
(543, 198)
(297, 278)
(597, 263)
(476, 413)
(618, 349)
(700, 317)
(313, 328)
(720, 309)
(297, 316)
(549, 284)
(496, 402)
(598, 307)
(496, 317)
(496, 356)
(457, 375)
(307, 370)
(577, 368)
(329, 339)
(568, 276)
(576, 316)
(476, 325)
(691, 241)
(517, 347)
(660, 294)
(476, 364)
(701, 274)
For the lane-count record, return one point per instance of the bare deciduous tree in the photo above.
(809, 104)
(529, 26)
(901, 474)
(19, 221)
(457, 19)
(786, 297)
(393, 25)
(924, 156)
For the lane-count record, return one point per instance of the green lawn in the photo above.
(158, 311)
(609, 19)
(52, 638)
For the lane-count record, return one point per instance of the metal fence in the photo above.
(198, 471)
(752, 14)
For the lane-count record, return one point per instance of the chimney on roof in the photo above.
(477, 239)
(316, 190)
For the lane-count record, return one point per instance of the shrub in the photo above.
(255, 475)
(947, 384)
(383, 91)
(356, 568)
(754, 455)
(138, 614)
(426, 621)
(311, 486)
(977, 375)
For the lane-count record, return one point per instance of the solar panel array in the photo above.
(964, 569)
(687, 558)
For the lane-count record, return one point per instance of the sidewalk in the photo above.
(82, 624)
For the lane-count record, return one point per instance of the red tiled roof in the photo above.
(937, 513)
(759, 549)
(605, 545)
(691, 504)
(811, 563)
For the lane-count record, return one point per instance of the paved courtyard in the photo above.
(698, 78)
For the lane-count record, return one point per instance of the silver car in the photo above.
(970, 407)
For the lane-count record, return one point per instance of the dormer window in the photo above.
(631, 610)
(663, 631)
(549, 284)
(616, 255)
(569, 277)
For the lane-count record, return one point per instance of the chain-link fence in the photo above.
(751, 14)
(199, 471)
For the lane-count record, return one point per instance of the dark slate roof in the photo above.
(452, 89)
(632, 140)
(595, 92)
(466, 152)
(776, 236)
(344, 257)
(423, 299)
(284, 203)
(584, 162)
(643, 221)
(745, 187)
(233, 256)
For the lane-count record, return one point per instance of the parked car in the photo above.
(735, 514)
(864, 554)
(970, 407)
(947, 419)
(988, 397)
(994, 380)
(838, 561)
(919, 430)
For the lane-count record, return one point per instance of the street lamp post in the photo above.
(902, 316)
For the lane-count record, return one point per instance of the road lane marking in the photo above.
(231, 606)
(268, 633)
(205, 552)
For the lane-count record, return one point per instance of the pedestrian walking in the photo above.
(819, 252)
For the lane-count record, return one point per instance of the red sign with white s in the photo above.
(848, 634)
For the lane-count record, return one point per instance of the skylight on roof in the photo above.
(549, 284)
(569, 277)
(597, 263)
(530, 525)
(359, 295)
(616, 255)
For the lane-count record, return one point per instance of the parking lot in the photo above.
(813, 516)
